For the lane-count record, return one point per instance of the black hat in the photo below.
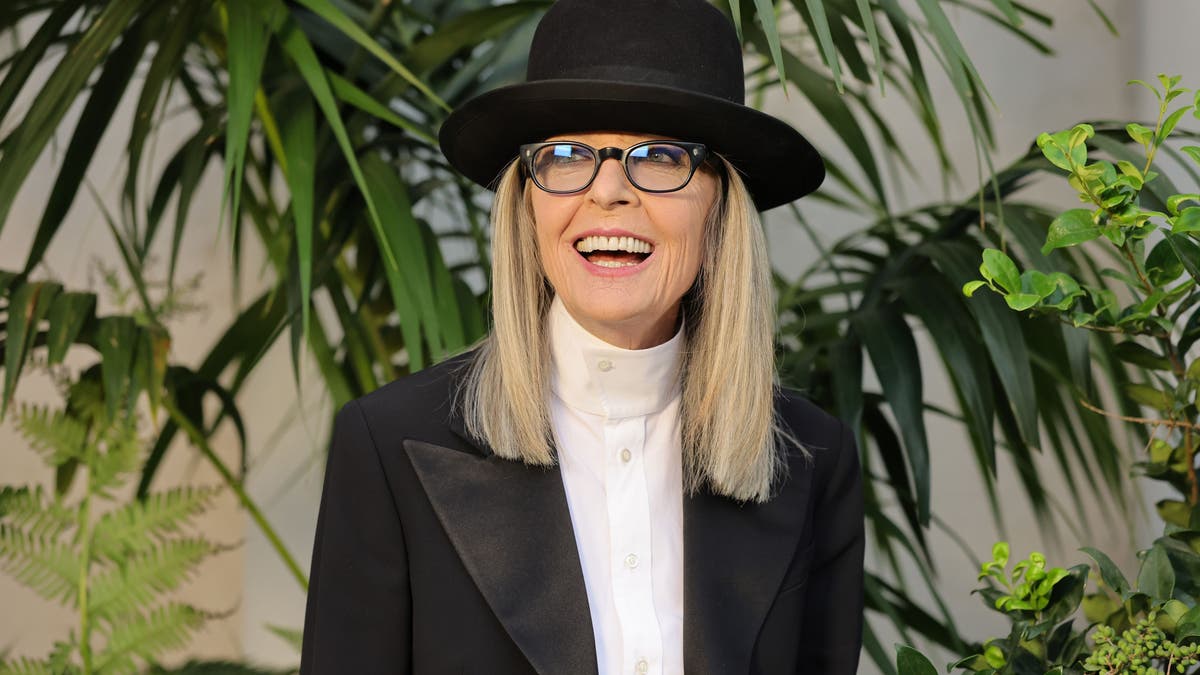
(670, 67)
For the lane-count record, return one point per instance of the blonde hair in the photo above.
(729, 427)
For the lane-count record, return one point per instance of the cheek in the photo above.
(551, 218)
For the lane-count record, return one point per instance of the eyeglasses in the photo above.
(653, 166)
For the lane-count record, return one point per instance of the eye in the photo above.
(667, 155)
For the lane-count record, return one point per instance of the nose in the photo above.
(611, 186)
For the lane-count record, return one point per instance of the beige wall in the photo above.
(287, 428)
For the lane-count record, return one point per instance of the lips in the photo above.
(614, 251)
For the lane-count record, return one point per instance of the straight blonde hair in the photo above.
(731, 436)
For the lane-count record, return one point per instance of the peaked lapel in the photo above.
(735, 556)
(511, 526)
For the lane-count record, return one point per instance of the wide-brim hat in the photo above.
(664, 67)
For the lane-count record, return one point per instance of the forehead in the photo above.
(618, 139)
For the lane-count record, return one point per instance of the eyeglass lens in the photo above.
(567, 167)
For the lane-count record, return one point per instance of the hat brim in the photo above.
(777, 164)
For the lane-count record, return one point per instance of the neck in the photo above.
(633, 333)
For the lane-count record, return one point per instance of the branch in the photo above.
(1139, 420)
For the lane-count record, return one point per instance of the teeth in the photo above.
(627, 244)
(613, 263)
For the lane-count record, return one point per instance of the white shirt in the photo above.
(615, 415)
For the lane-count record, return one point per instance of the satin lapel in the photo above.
(511, 526)
(735, 556)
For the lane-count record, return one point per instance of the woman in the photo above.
(611, 482)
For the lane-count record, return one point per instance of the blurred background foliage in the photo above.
(322, 115)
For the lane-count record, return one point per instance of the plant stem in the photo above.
(198, 439)
(85, 539)
(1194, 495)
(1138, 420)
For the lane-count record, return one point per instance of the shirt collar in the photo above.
(595, 377)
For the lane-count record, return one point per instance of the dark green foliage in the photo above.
(340, 101)
(1144, 293)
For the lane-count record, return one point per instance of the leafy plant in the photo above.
(339, 101)
(1143, 292)
(112, 566)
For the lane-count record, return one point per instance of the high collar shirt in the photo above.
(615, 417)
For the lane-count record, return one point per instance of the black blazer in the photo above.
(433, 555)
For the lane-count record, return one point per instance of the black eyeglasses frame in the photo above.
(697, 151)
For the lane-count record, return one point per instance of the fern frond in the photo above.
(49, 568)
(26, 666)
(118, 452)
(137, 526)
(132, 584)
(58, 436)
(167, 627)
(30, 510)
(60, 656)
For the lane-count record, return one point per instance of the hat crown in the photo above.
(683, 44)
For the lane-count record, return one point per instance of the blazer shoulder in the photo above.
(419, 406)
(806, 422)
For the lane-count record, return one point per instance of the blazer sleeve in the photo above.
(833, 624)
(358, 617)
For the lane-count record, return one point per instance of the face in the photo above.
(629, 297)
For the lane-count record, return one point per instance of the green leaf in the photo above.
(970, 287)
(893, 353)
(1009, 10)
(821, 27)
(116, 338)
(1188, 625)
(1174, 512)
(1001, 269)
(765, 11)
(326, 10)
(1066, 149)
(1140, 134)
(1188, 220)
(1163, 264)
(1109, 572)
(32, 52)
(1156, 577)
(932, 299)
(347, 92)
(1170, 123)
(1149, 396)
(1001, 333)
(1069, 229)
(301, 52)
(1021, 301)
(57, 96)
(868, 23)
(1139, 355)
(27, 306)
(247, 41)
(911, 662)
(68, 314)
(475, 27)
(298, 129)
(94, 120)
(1192, 151)
(1174, 202)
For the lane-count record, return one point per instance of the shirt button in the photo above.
(631, 561)
(642, 667)
(626, 455)
(605, 365)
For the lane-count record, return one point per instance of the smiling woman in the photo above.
(612, 481)
(619, 257)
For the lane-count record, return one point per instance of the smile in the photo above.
(614, 252)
